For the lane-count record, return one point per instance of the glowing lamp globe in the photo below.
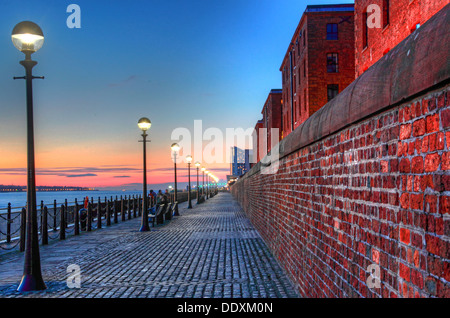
(27, 37)
(144, 124)
(175, 147)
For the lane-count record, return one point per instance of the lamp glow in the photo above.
(27, 36)
(144, 124)
(175, 147)
(189, 158)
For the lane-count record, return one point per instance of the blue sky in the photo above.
(173, 61)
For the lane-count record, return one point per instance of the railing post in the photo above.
(8, 224)
(129, 207)
(89, 218)
(42, 211)
(122, 207)
(23, 223)
(62, 226)
(139, 206)
(99, 214)
(116, 220)
(44, 228)
(108, 213)
(76, 219)
(54, 215)
(66, 217)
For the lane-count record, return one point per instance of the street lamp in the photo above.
(175, 148)
(197, 164)
(27, 37)
(189, 160)
(144, 124)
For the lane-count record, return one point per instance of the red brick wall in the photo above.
(404, 15)
(309, 71)
(366, 180)
(377, 192)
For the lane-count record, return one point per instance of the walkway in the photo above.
(211, 251)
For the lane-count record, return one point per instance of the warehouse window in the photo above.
(333, 90)
(332, 63)
(332, 31)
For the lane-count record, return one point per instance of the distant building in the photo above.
(319, 62)
(396, 20)
(240, 161)
(272, 115)
(257, 143)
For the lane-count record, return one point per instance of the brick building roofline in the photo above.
(320, 8)
(418, 64)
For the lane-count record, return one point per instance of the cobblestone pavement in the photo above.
(211, 251)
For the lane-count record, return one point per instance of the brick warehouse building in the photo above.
(272, 114)
(319, 62)
(397, 20)
(364, 182)
(256, 141)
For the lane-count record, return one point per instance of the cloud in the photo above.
(122, 176)
(81, 175)
(71, 171)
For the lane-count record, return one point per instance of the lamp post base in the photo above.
(31, 282)
(144, 229)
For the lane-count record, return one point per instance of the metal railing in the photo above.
(58, 220)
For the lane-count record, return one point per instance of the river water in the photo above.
(19, 199)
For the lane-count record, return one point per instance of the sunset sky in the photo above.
(173, 61)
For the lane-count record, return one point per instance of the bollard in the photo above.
(62, 226)
(134, 207)
(76, 219)
(23, 222)
(89, 218)
(66, 217)
(8, 224)
(122, 208)
(54, 215)
(42, 210)
(116, 220)
(108, 213)
(44, 227)
(129, 207)
(99, 214)
(139, 206)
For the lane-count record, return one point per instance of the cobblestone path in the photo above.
(210, 251)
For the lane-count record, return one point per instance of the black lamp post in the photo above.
(197, 164)
(175, 147)
(144, 124)
(189, 160)
(27, 37)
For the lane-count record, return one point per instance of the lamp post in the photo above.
(189, 160)
(27, 37)
(144, 124)
(197, 164)
(175, 147)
